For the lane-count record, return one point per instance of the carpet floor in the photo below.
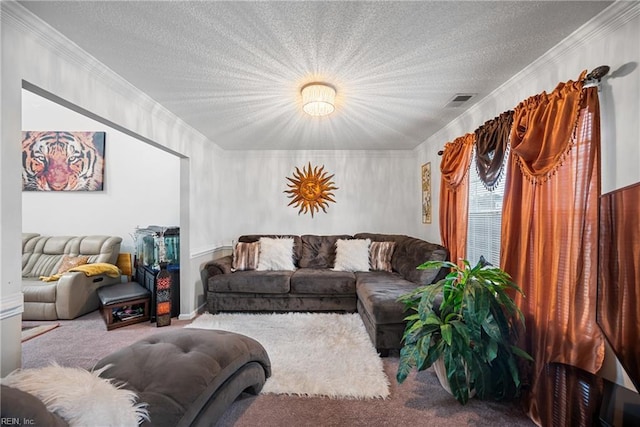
(420, 400)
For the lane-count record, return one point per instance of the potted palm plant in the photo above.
(467, 321)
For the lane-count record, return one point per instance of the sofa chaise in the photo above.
(315, 284)
(186, 377)
(72, 293)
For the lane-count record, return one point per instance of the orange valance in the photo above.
(456, 159)
(544, 129)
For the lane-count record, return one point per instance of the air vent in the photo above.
(460, 99)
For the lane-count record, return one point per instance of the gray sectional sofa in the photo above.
(315, 286)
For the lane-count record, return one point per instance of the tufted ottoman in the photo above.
(189, 377)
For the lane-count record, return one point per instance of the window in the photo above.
(485, 217)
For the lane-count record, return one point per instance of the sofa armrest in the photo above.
(76, 293)
(212, 268)
(20, 407)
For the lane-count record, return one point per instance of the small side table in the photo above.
(124, 304)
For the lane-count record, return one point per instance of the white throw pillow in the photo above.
(276, 254)
(79, 396)
(352, 255)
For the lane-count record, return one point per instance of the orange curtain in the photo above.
(454, 195)
(550, 232)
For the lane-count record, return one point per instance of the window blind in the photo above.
(485, 218)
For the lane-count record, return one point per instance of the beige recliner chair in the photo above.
(74, 293)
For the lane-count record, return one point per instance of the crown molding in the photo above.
(14, 14)
(606, 22)
(319, 154)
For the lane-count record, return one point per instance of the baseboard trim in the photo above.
(193, 314)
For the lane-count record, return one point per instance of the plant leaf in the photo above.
(521, 353)
(445, 330)
(456, 374)
(407, 361)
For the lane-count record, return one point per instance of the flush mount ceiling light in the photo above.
(318, 99)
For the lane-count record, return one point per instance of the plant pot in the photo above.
(441, 373)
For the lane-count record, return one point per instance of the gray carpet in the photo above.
(420, 400)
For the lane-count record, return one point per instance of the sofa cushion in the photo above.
(380, 255)
(42, 255)
(40, 264)
(409, 254)
(297, 242)
(352, 255)
(245, 256)
(121, 292)
(38, 291)
(319, 251)
(252, 281)
(275, 254)
(323, 282)
(378, 293)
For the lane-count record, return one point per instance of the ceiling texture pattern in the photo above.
(233, 70)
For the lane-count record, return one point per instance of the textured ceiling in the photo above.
(233, 70)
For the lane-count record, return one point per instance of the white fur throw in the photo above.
(79, 396)
(276, 254)
(352, 255)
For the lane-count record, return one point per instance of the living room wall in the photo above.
(141, 182)
(378, 191)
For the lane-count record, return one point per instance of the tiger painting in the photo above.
(62, 161)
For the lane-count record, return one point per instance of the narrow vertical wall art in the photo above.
(426, 193)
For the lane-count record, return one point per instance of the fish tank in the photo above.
(155, 244)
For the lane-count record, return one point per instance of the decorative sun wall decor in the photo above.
(311, 189)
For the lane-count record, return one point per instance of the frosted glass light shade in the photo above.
(318, 99)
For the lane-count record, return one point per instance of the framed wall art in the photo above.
(426, 193)
(62, 161)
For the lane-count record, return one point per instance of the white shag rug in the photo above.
(312, 354)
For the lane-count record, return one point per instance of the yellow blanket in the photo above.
(88, 269)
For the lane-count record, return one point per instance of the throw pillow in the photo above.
(276, 254)
(352, 255)
(79, 396)
(245, 256)
(380, 254)
(70, 262)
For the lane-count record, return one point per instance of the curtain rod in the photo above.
(593, 79)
